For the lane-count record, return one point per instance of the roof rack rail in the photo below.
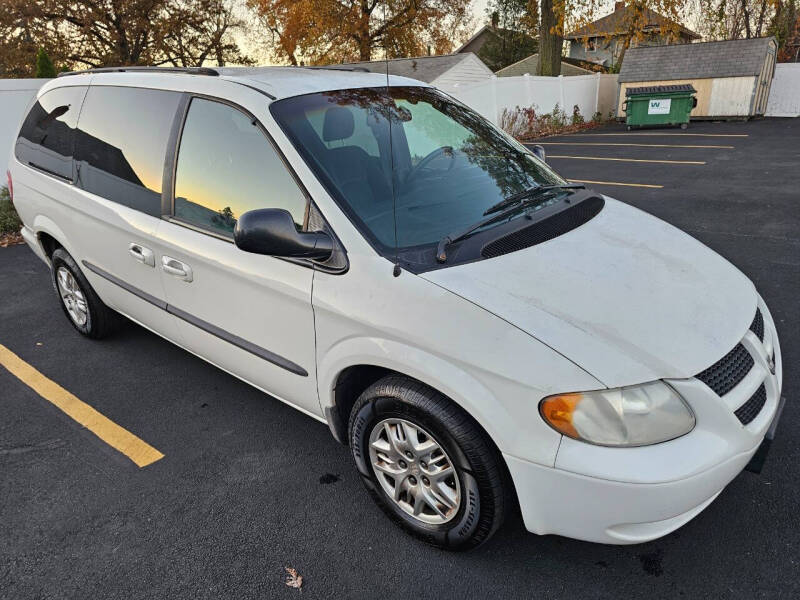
(186, 70)
(339, 68)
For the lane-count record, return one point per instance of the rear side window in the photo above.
(227, 166)
(121, 143)
(47, 138)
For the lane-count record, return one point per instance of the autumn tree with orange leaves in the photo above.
(332, 31)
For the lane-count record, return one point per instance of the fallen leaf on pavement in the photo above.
(293, 579)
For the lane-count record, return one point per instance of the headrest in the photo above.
(338, 124)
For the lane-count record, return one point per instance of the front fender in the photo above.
(455, 383)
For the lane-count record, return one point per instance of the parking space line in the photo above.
(631, 144)
(638, 160)
(642, 185)
(666, 134)
(104, 428)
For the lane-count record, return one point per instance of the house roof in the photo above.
(617, 24)
(529, 65)
(733, 58)
(423, 68)
(492, 30)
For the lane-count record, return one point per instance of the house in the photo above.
(732, 78)
(603, 41)
(528, 66)
(442, 70)
(497, 46)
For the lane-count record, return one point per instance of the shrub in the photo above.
(44, 66)
(9, 219)
(527, 123)
(577, 117)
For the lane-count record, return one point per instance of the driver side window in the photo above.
(226, 167)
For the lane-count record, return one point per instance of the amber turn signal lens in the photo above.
(557, 412)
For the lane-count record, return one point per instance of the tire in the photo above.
(78, 299)
(684, 125)
(479, 480)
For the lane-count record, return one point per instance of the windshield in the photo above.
(441, 164)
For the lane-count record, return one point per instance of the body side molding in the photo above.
(235, 340)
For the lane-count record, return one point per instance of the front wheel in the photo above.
(430, 468)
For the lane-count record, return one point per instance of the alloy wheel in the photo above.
(414, 471)
(72, 296)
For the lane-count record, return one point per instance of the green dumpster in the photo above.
(659, 105)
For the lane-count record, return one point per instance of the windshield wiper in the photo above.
(530, 193)
(498, 212)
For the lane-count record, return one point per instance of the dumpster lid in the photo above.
(659, 89)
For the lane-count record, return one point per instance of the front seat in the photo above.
(356, 173)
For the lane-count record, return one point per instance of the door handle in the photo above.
(142, 254)
(176, 268)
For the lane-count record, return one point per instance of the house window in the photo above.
(591, 45)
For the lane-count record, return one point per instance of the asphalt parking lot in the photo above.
(248, 486)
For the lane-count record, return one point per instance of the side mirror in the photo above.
(272, 231)
(538, 152)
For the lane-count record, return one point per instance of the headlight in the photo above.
(629, 416)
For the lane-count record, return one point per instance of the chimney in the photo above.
(495, 19)
(618, 6)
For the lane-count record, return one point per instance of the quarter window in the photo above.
(226, 167)
(47, 138)
(122, 143)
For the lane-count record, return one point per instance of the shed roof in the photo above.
(706, 60)
(530, 63)
(423, 68)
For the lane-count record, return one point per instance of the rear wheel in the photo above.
(80, 303)
(430, 468)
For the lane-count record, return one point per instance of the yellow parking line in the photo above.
(629, 144)
(669, 134)
(644, 185)
(640, 160)
(112, 434)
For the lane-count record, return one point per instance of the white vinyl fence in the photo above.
(590, 93)
(15, 96)
(784, 95)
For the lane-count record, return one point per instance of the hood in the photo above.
(626, 296)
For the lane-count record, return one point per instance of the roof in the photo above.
(649, 90)
(617, 24)
(529, 65)
(422, 68)
(707, 60)
(278, 82)
(489, 28)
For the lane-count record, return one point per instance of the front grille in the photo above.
(545, 230)
(750, 409)
(727, 372)
(757, 326)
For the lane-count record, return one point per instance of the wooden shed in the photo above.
(732, 78)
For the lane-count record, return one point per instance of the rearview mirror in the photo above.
(538, 152)
(272, 231)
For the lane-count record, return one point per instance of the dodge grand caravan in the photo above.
(479, 331)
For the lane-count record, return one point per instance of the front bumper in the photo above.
(614, 512)
(632, 495)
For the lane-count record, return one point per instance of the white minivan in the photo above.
(480, 332)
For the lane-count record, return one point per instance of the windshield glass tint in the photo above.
(445, 164)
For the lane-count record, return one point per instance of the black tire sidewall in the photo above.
(60, 259)
(459, 532)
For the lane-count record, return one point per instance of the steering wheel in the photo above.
(432, 156)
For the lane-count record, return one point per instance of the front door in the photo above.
(249, 314)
